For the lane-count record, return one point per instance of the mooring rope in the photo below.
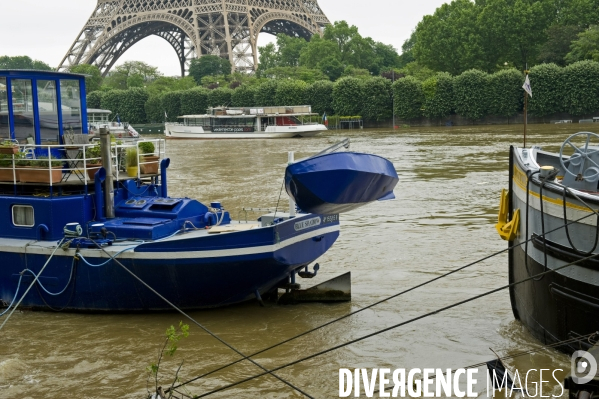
(33, 282)
(371, 305)
(412, 320)
(213, 335)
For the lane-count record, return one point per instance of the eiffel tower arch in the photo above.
(227, 28)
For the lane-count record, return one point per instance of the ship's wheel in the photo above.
(581, 160)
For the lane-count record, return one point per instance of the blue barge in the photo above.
(70, 232)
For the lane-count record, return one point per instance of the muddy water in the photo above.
(443, 218)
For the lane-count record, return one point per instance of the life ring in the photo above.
(120, 135)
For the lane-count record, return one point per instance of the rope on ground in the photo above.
(366, 307)
(396, 326)
(32, 283)
(200, 325)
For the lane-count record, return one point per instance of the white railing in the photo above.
(76, 162)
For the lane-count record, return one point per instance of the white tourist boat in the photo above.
(98, 118)
(246, 123)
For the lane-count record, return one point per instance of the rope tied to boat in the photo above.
(414, 319)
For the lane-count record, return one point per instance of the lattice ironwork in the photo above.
(227, 28)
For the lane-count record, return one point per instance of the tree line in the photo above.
(492, 34)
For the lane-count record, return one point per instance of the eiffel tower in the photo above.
(226, 28)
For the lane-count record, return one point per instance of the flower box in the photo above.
(31, 175)
(9, 149)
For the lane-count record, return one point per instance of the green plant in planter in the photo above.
(93, 152)
(146, 147)
(131, 161)
(131, 156)
(5, 160)
(21, 160)
(42, 162)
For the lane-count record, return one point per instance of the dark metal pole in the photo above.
(107, 164)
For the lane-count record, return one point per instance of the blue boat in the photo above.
(86, 237)
(335, 182)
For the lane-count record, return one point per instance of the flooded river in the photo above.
(443, 218)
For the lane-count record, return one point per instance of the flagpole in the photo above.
(525, 115)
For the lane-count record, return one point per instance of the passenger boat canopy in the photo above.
(40, 106)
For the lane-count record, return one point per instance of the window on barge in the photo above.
(22, 216)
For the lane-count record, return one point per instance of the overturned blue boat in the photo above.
(335, 182)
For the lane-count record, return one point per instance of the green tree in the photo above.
(209, 65)
(556, 47)
(331, 67)
(513, 31)
(409, 98)
(290, 49)
(471, 94)
(546, 81)
(407, 51)
(317, 50)
(23, 62)
(269, 58)
(94, 79)
(586, 46)
(347, 96)
(505, 92)
(448, 40)
(308, 75)
(320, 96)
(438, 96)
(164, 84)
(120, 76)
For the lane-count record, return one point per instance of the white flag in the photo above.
(526, 86)
(166, 116)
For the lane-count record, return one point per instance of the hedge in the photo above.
(265, 94)
(438, 96)
(506, 95)
(320, 96)
(94, 99)
(243, 96)
(171, 104)
(194, 101)
(347, 96)
(220, 97)
(581, 87)
(546, 81)
(471, 94)
(409, 98)
(377, 100)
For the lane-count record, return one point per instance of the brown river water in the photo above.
(443, 218)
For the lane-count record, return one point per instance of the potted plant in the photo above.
(131, 161)
(150, 161)
(41, 170)
(6, 166)
(9, 147)
(93, 160)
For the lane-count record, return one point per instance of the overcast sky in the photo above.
(45, 29)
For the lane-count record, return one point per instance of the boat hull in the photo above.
(175, 131)
(562, 304)
(203, 272)
(340, 181)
